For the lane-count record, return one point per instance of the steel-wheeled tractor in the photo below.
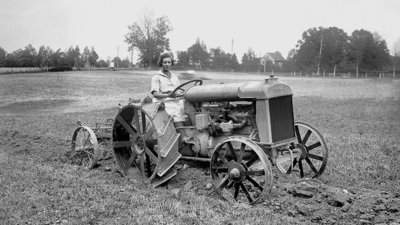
(241, 129)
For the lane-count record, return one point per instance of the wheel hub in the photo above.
(138, 145)
(303, 149)
(237, 172)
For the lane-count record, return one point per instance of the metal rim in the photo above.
(240, 170)
(310, 153)
(132, 129)
(84, 148)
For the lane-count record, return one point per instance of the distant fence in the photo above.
(366, 75)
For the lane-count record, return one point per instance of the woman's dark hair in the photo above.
(162, 57)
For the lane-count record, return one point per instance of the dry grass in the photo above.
(38, 114)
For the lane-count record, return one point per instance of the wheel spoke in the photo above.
(122, 144)
(143, 122)
(315, 145)
(231, 150)
(148, 164)
(296, 128)
(317, 157)
(255, 173)
(126, 125)
(225, 161)
(301, 169)
(150, 154)
(221, 169)
(246, 192)
(311, 165)
(230, 184)
(80, 162)
(132, 158)
(235, 195)
(89, 153)
(255, 183)
(292, 166)
(305, 139)
(252, 160)
(224, 182)
(241, 153)
(142, 159)
(148, 133)
(136, 119)
(86, 140)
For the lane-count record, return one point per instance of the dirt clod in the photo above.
(188, 186)
(176, 192)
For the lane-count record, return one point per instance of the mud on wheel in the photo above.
(240, 170)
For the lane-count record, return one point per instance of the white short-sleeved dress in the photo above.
(173, 106)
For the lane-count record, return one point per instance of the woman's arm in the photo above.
(160, 94)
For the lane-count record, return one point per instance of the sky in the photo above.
(234, 26)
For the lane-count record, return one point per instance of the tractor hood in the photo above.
(250, 90)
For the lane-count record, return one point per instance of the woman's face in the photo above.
(166, 64)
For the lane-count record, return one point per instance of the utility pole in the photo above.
(117, 55)
(320, 53)
(232, 47)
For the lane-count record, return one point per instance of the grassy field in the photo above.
(38, 111)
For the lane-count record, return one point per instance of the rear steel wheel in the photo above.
(134, 138)
(84, 148)
(309, 153)
(240, 170)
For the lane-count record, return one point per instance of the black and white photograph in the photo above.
(199, 112)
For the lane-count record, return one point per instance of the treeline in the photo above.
(56, 59)
(320, 50)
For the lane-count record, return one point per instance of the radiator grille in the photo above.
(282, 121)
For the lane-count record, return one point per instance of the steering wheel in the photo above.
(196, 82)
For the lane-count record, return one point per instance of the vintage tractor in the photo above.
(241, 129)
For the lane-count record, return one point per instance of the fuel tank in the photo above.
(250, 90)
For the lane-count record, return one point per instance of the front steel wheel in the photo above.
(309, 153)
(240, 170)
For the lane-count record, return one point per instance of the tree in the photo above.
(197, 54)
(149, 38)
(85, 55)
(3, 57)
(58, 58)
(26, 57)
(93, 57)
(43, 56)
(367, 52)
(250, 62)
(321, 48)
(72, 57)
(101, 63)
(125, 63)
(183, 58)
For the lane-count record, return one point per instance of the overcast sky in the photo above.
(264, 25)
